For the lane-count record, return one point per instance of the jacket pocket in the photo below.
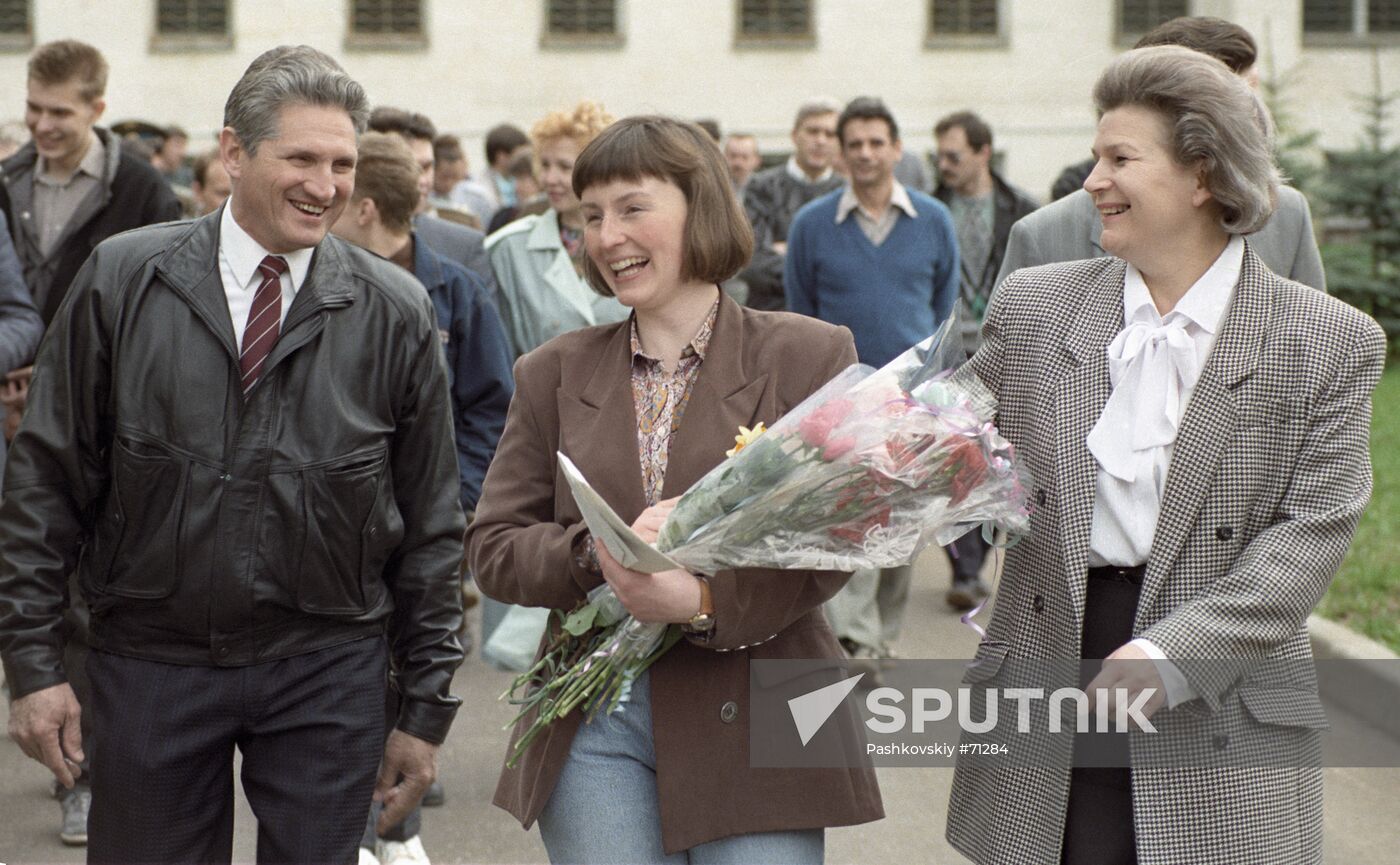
(1285, 707)
(138, 552)
(986, 663)
(340, 503)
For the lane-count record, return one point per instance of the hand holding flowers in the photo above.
(864, 473)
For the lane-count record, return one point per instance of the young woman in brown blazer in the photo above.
(645, 407)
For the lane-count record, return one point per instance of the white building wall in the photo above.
(485, 64)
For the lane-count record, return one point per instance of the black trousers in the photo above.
(311, 731)
(1099, 822)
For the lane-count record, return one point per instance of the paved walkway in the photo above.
(1362, 804)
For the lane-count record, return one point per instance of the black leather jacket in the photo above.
(209, 529)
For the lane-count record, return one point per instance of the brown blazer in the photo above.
(574, 394)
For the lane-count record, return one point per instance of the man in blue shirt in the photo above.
(883, 261)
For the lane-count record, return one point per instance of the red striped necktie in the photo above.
(264, 321)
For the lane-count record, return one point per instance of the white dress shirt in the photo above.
(876, 228)
(1154, 364)
(795, 171)
(239, 257)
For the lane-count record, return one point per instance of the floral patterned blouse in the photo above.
(660, 398)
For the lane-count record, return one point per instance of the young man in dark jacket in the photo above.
(71, 187)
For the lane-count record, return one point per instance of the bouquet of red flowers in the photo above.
(864, 473)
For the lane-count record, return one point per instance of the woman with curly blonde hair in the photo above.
(538, 259)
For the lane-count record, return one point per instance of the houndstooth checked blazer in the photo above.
(1269, 475)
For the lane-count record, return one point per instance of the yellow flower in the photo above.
(745, 438)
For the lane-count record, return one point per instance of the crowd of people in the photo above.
(272, 437)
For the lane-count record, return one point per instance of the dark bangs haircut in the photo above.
(718, 240)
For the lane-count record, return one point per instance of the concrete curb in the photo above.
(1369, 687)
(1333, 640)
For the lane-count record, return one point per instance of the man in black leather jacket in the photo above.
(245, 536)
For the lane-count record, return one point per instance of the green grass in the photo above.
(1366, 593)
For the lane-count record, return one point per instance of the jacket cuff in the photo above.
(27, 672)
(575, 537)
(427, 721)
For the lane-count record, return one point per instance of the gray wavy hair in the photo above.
(290, 75)
(1213, 120)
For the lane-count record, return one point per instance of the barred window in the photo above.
(775, 19)
(581, 17)
(1383, 16)
(963, 18)
(1136, 17)
(392, 18)
(14, 20)
(192, 17)
(1348, 19)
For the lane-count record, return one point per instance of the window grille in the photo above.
(386, 17)
(963, 18)
(581, 17)
(14, 18)
(775, 19)
(1136, 17)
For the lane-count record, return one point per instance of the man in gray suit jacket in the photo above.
(1068, 229)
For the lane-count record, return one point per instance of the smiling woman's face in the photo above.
(634, 230)
(1144, 197)
(557, 157)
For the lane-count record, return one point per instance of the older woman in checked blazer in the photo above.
(1197, 428)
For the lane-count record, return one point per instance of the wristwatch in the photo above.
(703, 622)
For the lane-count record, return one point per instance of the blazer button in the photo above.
(1041, 497)
(728, 712)
(1038, 604)
(1224, 533)
(1220, 742)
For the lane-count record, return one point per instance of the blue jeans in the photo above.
(604, 808)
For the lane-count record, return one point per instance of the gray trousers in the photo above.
(870, 609)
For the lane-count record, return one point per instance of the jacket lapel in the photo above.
(1080, 397)
(191, 269)
(724, 397)
(1208, 424)
(559, 272)
(327, 286)
(598, 428)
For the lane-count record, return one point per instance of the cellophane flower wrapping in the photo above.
(864, 473)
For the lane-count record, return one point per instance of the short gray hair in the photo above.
(1213, 120)
(814, 108)
(290, 75)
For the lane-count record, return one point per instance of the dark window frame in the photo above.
(171, 42)
(1359, 36)
(1125, 38)
(768, 41)
(935, 39)
(16, 41)
(567, 40)
(358, 40)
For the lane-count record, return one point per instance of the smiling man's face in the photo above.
(290, 192)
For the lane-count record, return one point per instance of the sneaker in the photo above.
(367, 857)
(408, 852)
(435, 795)
(966, 594)
(75, 804)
